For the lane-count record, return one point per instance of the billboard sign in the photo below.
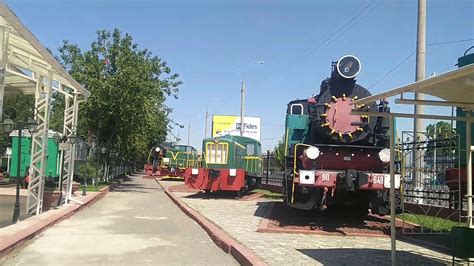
(230, 124)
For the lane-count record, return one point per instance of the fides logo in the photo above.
(247, 126)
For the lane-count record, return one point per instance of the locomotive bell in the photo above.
(348, 66)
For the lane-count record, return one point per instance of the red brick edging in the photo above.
(241, 253)
(264, 228)
(9, 243)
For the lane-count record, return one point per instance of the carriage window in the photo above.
(296, 109)
(250, 149)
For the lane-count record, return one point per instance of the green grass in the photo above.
(92, 188)
(430, 222)
(268, 194)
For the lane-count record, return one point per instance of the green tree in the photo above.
(443, 130)
(126, 111)
(279, 153)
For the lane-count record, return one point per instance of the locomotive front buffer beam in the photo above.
(348, 180)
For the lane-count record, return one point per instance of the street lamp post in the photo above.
(242, 94)
(8, 126)
(62, 147)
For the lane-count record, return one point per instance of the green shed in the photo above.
(52, 157)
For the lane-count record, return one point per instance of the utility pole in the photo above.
(420, 75)
(189, 133)
(242, 106)
(205, 127)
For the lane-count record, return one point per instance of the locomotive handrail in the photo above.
(294, 169)
(294, 155)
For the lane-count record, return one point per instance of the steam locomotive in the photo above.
(334, 157)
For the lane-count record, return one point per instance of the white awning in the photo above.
(26, 57)
(456, 88)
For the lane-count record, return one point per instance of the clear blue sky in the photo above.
(204, 40)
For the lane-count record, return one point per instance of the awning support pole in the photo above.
(393, 236)
(469, 168)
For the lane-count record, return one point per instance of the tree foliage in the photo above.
(441, 128)
(279, 153)
(126, 111)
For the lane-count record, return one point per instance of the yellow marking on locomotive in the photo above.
(333, 131)
(355, 98)
(334, 98)
(350, 135)
(360, 129)
(327, 105)
(325, 125)
(323, 115)
(340, 135)
(343, 96)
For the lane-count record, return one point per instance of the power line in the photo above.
(337, 33)
(412, 53)
(450, 42)
(391, 71)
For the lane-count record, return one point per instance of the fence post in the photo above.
(268, 164)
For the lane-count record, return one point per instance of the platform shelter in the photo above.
(27, 67)
(452, 89)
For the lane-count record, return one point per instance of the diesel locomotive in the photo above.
(333, 157)
(230, 163)
(171, 160)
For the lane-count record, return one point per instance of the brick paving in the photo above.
(240, 219)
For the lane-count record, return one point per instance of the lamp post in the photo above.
(102, 151)
(82, 144)
(242, 93)
(62, 146)
(8, 126)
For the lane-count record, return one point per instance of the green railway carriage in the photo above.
(231, 163)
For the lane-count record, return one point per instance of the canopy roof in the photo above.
(26, 57)
(455, 87)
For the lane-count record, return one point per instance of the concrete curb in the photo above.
(9, 243)
(241, 253)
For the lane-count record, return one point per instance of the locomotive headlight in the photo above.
(312, 152)
(157, 149)
(384, 155)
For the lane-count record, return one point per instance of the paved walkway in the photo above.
(136, 224)
(241, 219)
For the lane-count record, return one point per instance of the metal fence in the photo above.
(427, 196)
(272, 171)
